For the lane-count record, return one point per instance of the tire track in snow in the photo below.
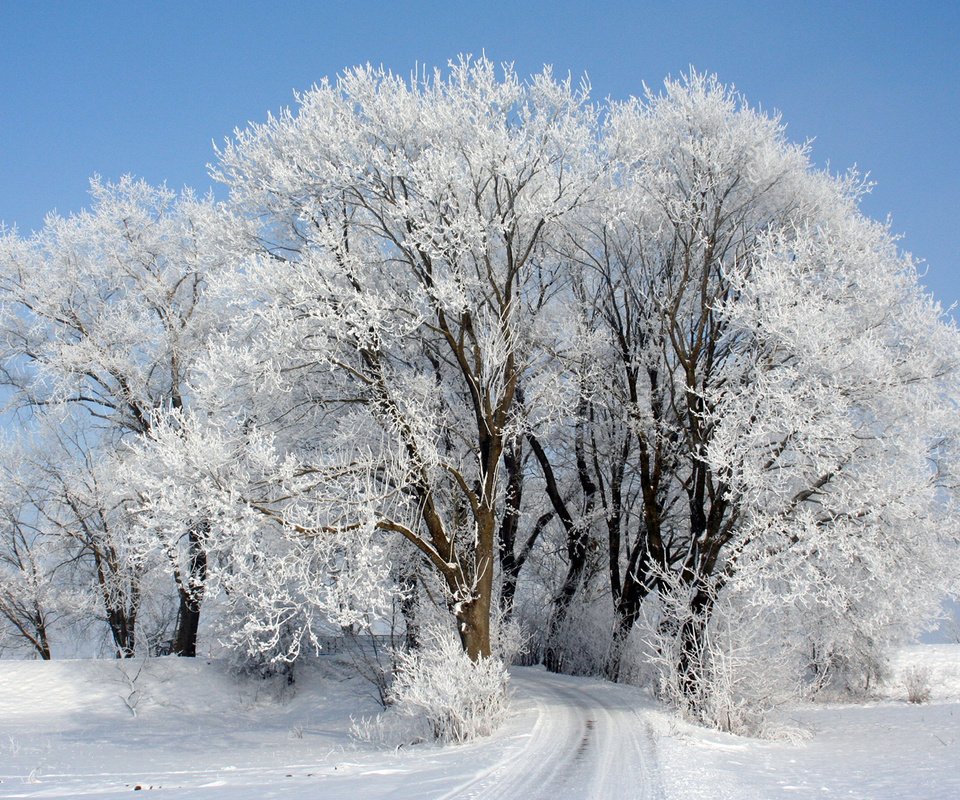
(589, 741)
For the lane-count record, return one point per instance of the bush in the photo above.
(459, 699)
(582, 643)
(916, 680)
(509, 640)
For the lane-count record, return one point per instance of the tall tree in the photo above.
(405, 292)
(713, 218)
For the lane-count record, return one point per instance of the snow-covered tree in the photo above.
(714, 230)
(694, 180)
(29, 593)
(101, 320)
(833, 442)
(649, 350)
(276, 582)
(405, 292)
(80, 512)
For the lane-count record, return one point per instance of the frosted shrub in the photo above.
(458, 698)
(847, 672)
(509, 640)
(916, 680)
(388, 729)
(728, 671)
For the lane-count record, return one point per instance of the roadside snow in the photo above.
(882, 750)
(190, 729)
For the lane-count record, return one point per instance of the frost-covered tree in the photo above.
(42, 604)
(476, 318)
(275, 581)
(29, 593)
(405, 291)
(694, 180)
(101, 320)
(834, 441)
(711, 218)
(85, 512)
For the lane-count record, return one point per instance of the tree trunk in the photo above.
(509, 564)
(627, 611)
(191, 596)
(691, 657)
(123, 632)
(577, 553)
(42, 642)
(408, 608)
(578, 538)
(188, 624)
(508, 586)
(473, 625)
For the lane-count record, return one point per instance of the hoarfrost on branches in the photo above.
(637, 371)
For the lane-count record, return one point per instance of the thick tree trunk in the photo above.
(473, 625)
(473, 614)
(636, 587)
(188, 624)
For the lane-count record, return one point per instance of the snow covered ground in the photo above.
(189, 728)
(880, 750)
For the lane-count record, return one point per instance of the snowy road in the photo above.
(587, 741)
(190, 729)
(568, 739)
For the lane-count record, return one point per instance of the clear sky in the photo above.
(145, 87)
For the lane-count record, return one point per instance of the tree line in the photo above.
(633, 375)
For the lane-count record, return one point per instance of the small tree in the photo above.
(101, 319)
(34, 598)
(28, 591)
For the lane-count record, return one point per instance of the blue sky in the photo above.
(145, 87)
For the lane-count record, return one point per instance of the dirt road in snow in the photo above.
(567, 739)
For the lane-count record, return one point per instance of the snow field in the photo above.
(191, 729)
